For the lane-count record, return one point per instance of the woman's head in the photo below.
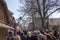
(18, 28)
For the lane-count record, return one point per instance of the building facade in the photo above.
(53, 24)
(6, 20)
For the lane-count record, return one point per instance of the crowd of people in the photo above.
(37, 35)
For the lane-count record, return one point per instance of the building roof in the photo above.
(54, 21)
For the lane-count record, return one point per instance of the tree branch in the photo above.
(39, 8)
(44, 1)
(47, 7)
(53, 12)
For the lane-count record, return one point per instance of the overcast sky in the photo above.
(13, 6)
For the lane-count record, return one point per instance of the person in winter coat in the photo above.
(56, 34)
(59, 35)
(49, 37)
(52, 36)
(29, 35)
(34, 36)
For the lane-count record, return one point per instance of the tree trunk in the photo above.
(45, 23)
(33, 24)
(42, 19)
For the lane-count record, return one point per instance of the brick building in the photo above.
(37, 24)
(30, 27)
(6, 20)
(54, 24)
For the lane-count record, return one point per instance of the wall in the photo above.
(5, 18)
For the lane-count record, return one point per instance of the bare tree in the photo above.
(44, 7)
